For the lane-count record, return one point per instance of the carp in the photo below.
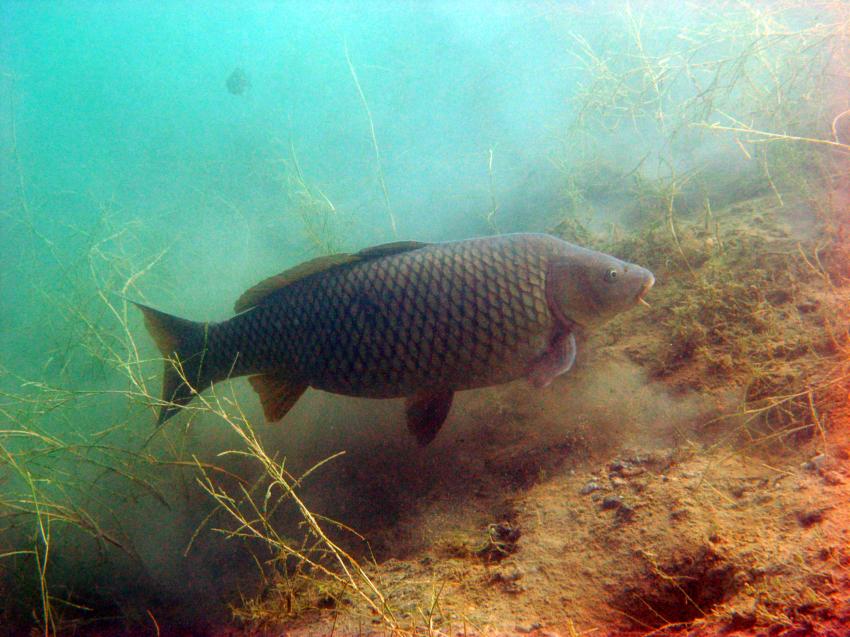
(403, 320)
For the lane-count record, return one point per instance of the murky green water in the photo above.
(177, 153)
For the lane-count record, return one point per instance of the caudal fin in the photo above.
(183, 346)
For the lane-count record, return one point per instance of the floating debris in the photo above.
(238, 82)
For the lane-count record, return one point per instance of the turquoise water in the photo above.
(130, 171)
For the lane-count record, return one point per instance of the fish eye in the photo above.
(611, 275)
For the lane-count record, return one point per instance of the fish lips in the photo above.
(645, 289)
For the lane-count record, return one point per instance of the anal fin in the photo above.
(277, 394)
(426, 412)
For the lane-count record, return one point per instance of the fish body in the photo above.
(411, 320)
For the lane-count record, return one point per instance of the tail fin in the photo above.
(183, 346)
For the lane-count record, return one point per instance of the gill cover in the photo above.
(587, 288)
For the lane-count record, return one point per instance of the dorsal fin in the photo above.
(253, 296)
(387, 249)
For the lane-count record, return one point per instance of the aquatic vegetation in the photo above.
(316, 554)
(668, 86)
(322, 223)
(737, 274)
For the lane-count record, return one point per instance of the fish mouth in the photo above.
(646, 287)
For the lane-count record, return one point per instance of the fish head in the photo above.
(587, 288)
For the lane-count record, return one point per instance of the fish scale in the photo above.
(404, 320)
(432, 310)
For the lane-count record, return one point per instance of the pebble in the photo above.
(530, 628)
(612, 502)
(809, 517)
(631, 472)
(590, 487)
(815, 464)
(508, 580)
(625, 513)
(506, 575)
(617, 465)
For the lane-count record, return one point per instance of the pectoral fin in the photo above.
(277, 394)
(426, 411)
(556, 360)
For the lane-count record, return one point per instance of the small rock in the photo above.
(625, 513)
(508, 580)
(616, 481)
(738, 490)
(617, 466)
(809, 517)
(612, 502)
(815, 464)
(825, 553)
(506, 575)
(528, 629)
(590, 487)
(631, 472)
(678, 514)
